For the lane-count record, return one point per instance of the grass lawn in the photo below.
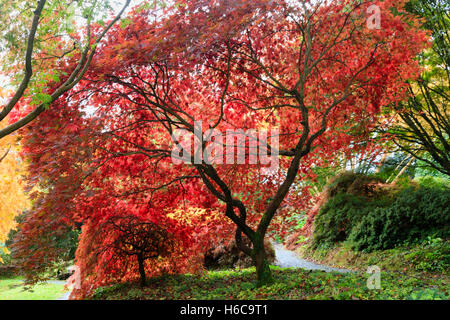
(12, 289)
(290, 284)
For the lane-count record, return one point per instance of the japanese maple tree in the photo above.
(312, 71)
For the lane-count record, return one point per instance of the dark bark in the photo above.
(75, 77)
(263, 272)
(175, 117)
(142, 270)
(28, 66)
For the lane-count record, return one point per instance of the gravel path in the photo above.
(288, 259)
(65, 296)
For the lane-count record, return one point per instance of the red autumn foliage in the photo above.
(318, 76)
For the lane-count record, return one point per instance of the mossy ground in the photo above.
(290, 284)
(431, 257)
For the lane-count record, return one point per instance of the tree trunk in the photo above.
(403, 170)
(142, 270)
(263, 272)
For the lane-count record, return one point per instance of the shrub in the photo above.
(333, 223)
(337, 218)
(5, 256)
(7, 271)
(353, 183)
(433, 182)
(414, 215)
(384, 216)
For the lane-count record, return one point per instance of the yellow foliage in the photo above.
(191, 215)
(13, 199)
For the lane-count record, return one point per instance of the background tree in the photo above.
(13, 198)
(39, 242)
(423, 129)
(36, 41)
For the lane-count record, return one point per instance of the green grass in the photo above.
(431, 256)
(13, 289)
(290, 284)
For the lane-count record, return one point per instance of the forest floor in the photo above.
(295, 279)
(290, 284)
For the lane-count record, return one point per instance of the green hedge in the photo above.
(411, 215)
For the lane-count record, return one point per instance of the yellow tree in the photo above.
(423, 130)
(13, 199)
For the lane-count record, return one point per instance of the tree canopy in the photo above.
(299, 82)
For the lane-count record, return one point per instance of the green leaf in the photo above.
(125, 23)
